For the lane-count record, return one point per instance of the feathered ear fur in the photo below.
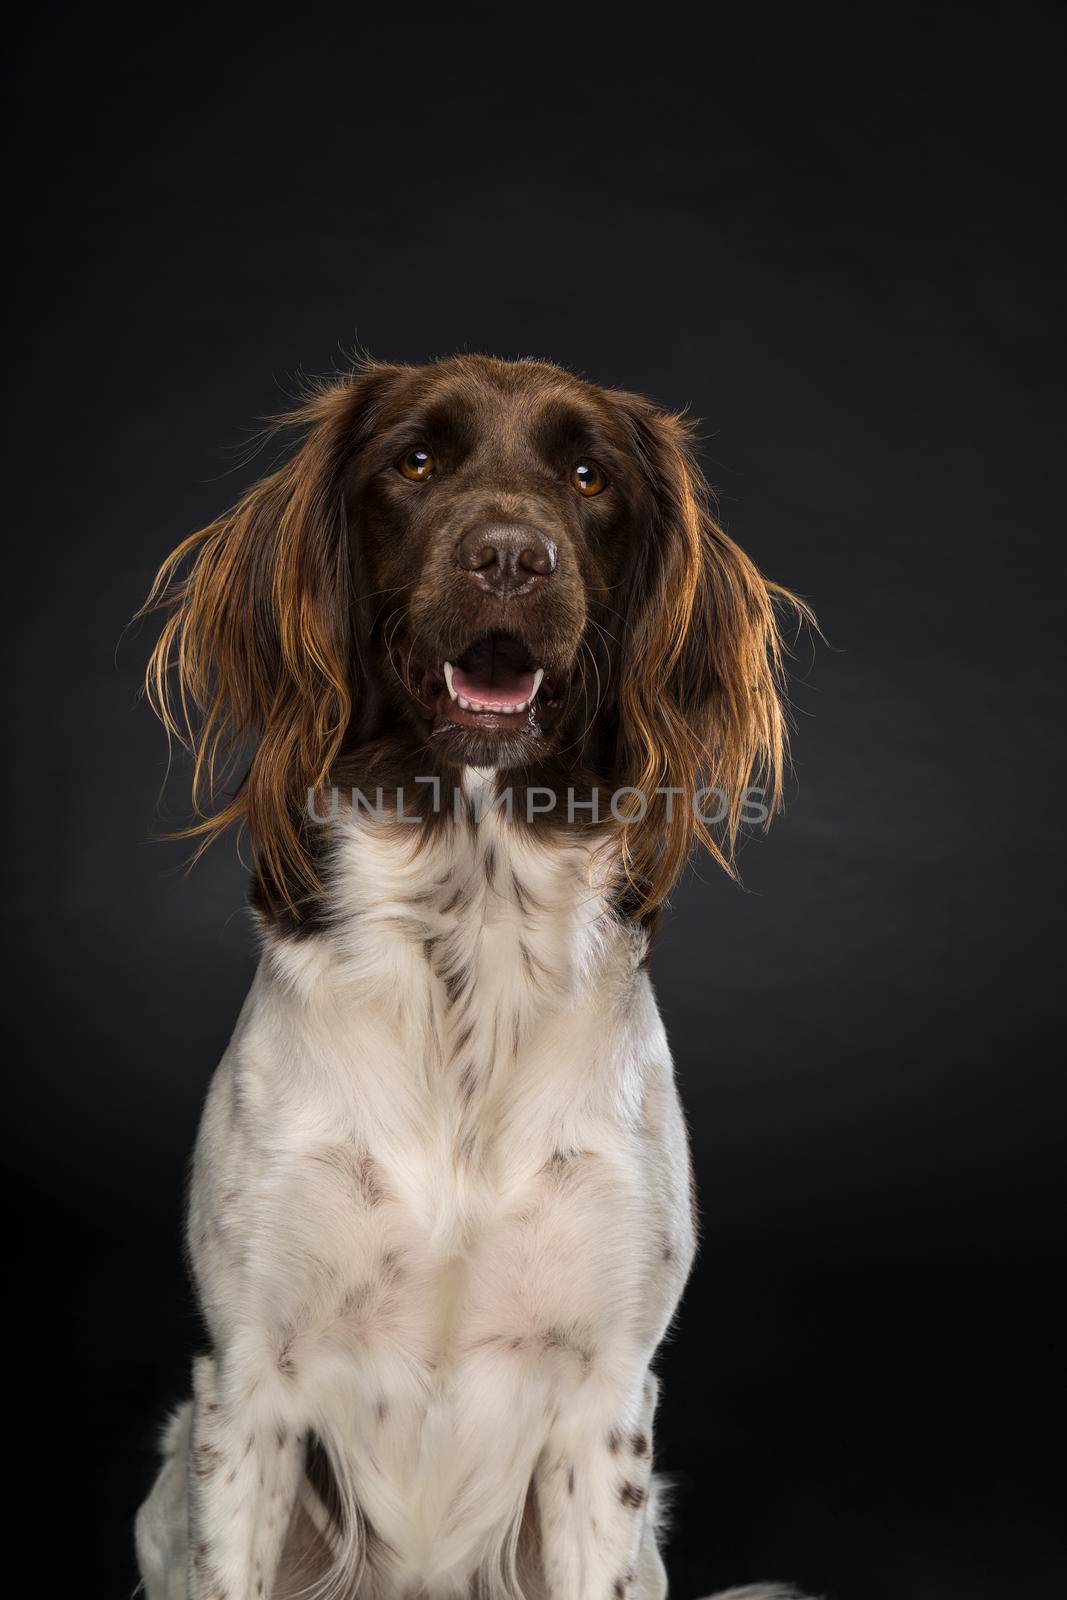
(258, 647)
(700, 695)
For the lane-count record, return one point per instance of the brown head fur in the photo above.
(312, 618)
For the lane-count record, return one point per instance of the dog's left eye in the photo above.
(416, 465)
(588, 478)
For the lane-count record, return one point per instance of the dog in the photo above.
(485, 653)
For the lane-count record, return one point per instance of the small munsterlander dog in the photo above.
(491, 666)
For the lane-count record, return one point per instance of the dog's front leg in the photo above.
(593, 1485)
(245, 1464)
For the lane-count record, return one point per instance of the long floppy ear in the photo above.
(258, 646)
(700, 695)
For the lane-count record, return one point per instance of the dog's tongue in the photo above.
(497, 687)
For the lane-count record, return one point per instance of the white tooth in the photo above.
(538, 675)
(464, 705)
(448, 680)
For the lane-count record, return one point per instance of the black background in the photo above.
(836, 235)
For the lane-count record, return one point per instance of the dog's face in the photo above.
(487, 563)
(495, 509)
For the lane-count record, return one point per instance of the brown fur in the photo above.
(303, 627)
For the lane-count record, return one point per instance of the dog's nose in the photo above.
(507, 557)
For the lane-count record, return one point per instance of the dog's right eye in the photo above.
(416, 465)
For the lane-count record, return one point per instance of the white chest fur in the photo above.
(441, 1186)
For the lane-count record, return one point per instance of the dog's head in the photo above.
(493, 505)
(501, 566)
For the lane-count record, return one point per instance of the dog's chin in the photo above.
(494, 706)
(492, 746)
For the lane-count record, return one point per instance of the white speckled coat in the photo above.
(440, 1220)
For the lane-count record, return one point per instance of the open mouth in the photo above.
(495, 685)
(493, 675)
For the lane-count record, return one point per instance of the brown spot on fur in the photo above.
(284, 1360)
(355, 1300)
(455, 983)
(206, 1460)
(632, 1495)
(563, 1164)
(557, 1338)
(640, 1444)
(353, 1166)
(390, 1266)
(536, 969)
(614, 1441)
(457, 902)
(368, 1180)
(570, 1480)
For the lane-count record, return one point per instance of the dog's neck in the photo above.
(512, 922)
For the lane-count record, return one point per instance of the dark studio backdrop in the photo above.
(836, 236)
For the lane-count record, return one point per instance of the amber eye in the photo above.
(588, 479)
(417, 465)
